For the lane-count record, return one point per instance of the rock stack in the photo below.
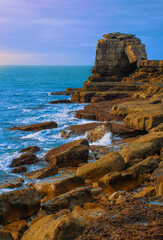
(120, 59)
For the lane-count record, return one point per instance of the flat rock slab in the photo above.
(55, 188)
(42, 173)
(110, 162)
(25, 159)
(18, 204)
(36, 127)
(69, 154)
(69, 200)
(61, 101)
(78, 129)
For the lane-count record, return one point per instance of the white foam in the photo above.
(104, 141)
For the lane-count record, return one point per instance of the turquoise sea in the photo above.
(25, 96)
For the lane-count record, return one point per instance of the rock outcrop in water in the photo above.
(120, 59)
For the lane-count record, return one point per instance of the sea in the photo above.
(25, 93)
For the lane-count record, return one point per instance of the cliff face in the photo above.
(120, 59)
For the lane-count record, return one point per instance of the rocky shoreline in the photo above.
(107, 192)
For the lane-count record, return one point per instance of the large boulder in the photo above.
(36, 127)
(69, 200)
(69, 154)
(144, 146)
(55, 188)
(42, 173)
(18, 204)
(136, 52)
(108, 163)
(51, 227)
(25, 159)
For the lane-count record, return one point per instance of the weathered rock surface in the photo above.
(108, 163)
(144, 121)
(77, 197)
(5, 235)
(36, 127)
(69, 154)
(55, 188)
(68, 91)
(146, 145)
(78, 129)
(25, 159)
(42, 173)
(18, 204)
(51, 227)
(31, 149)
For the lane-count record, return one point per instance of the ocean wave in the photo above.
(104, 141)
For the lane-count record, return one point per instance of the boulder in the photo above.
(146, 145)
(68, 200)
(25, 159)
(97, 133)
(78, 129)
(108, 163)
(18, 204)
(36, 127)
(146, 166)
(51, 227)
(55, 188)
(120, 181)
(69, 154)
(130, 178)
(20, 169)
(136, 52)
(31, 149)
(5, 235)
(42, 173)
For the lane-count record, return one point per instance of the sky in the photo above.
(65, 32)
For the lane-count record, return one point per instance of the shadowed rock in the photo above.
(25, 159)
(31, 149)
(42, 173)
(69, 154)
(36, 127)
